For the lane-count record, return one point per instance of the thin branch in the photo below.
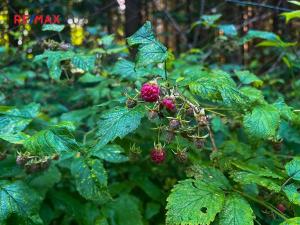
(247, 3)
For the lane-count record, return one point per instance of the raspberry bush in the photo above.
(90, 136)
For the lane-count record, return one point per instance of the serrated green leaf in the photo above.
(91, 179)
(293, 168)
(246, 77)
(13, 120)
(53, 61)
(150, 50)
(151, 53)
(253, 94)
(293, 221)
(255, 169)
(53, 27)
(118, 122)
(110, 153)
(17, 198)
(126, 69)
(84, 62)
(250, 178)
(218, 87)
(55, 139)
(210, 176)
(193, 202)
(124, 211)
(236, 211)
(292, 193)
(286, 111)
(18, 138)
(262, 122)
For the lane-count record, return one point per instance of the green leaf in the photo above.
(55, 139)
(253, 94)
(210, 176)
(286, 112)
(53, 61)
(124, 211)
(293, 221)
(293, 168)
(42, 182)
(18, 138)
(260, 34)
(291, 15)
(126, 69)
(246, 77)
(151, 53)
(150, 50)
(236, 211)
(17, 198)
(118, 122)
(91, 179)
(84, 62)
(13, 120)
(228, 29)
(260, 171)
(218, 86)
(193, 202)
(110, 153)
(295, 2)
(250, 178)
(292, 193)
(262, 122)
(53, 27)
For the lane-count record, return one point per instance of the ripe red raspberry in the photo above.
(281, 207)
(158, 155)
(169, 104)
(150, 92)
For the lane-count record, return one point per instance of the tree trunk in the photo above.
(132, 16)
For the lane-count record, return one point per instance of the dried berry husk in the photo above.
(170, 135)
(131, 103)
(182, 156)
(21, 160)
(277, 145)
(174, 124)
(190, 111)
(45, 164)
(55, 157)
(152, 114)
(199, 142)
(32, 167)
(202, 120)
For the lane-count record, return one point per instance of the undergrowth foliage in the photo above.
(157, 140)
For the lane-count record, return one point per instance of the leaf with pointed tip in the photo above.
(55, 139)
(193, 202)
(13, 120)
(118, 122)
(293, 168)
(292, 193)
(17, 198)
(150, 50)
(251, 178)
(246, 77)
(110, 153)
(91, 179)
(292, 221)
(262, 122)
(236, 211)
(84, 62)
(209, 175)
